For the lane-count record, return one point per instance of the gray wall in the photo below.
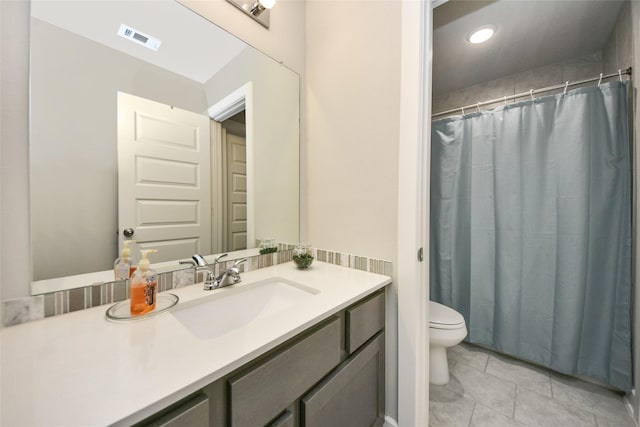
(15, 244)
(74, 84)
(276, 96)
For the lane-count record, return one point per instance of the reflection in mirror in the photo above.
(112, 119)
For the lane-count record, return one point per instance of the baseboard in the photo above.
(389, 422)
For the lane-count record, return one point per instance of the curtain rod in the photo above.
(532, 92)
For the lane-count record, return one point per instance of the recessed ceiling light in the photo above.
(482, 34)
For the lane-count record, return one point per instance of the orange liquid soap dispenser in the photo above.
(124, 266)
(144, 286)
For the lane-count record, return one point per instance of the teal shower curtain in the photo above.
(531, 229)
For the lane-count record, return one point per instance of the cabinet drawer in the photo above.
(353, 395)
(256, 397)
(364, 321)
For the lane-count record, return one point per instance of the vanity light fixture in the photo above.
(261, 5)
(256, 9)
(482, 34)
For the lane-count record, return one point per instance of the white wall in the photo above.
(353, 98)
(352, 111)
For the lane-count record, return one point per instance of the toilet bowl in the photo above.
(446, 329)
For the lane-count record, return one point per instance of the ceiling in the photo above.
(191, 46)
(529, 34)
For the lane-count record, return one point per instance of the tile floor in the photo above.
(492, 390)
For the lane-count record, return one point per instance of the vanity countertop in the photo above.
(80, 369)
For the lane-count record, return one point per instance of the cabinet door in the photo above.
(257, 396)
(364, 320)
(353, 395)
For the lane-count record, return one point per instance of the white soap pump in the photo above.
(124, 266)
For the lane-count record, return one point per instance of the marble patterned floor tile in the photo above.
(523, 374)
(536, 410)
(448, 409)
(622, 421)
(469, 355)
(607, 404)
(486, 417)
(486, 389)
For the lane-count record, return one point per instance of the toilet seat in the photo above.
(443, 317)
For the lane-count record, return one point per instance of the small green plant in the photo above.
(303, 260)
(268, 250)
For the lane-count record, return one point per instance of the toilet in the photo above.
(446, 329)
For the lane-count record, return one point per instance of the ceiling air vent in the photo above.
(141, 38)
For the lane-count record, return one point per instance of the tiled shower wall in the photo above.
(618, 52)
(583, 67)
(56, 303)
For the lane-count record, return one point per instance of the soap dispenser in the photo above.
(144, 286)
(124, 266)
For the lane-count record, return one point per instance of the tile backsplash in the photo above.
(37, 307)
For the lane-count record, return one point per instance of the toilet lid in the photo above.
(443, 317)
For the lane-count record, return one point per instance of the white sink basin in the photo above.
(233, 307)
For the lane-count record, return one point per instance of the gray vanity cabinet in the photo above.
(330, 375)
(353, 395)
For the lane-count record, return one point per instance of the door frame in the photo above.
(413, 212)
(238, 100)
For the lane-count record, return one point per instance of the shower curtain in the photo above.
(531, 229)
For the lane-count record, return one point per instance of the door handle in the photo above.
(128, 232)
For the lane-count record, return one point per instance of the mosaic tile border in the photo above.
(26, 309)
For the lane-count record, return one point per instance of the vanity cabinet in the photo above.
(329, 375)
(353, 394)
(258, 396)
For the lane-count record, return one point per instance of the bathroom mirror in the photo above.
(86, 56)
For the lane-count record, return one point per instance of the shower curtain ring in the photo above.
(478, 106)
(600, 80)
(505, 100)
(620, 75)
(462, 108)
(566, 86)
(531, 94)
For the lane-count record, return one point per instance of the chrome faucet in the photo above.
(230, 276)
(201, 265)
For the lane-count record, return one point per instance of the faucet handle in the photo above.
(218, 258)
(238, 262)
(235, 269)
